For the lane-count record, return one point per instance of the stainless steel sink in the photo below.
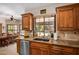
(41, 39)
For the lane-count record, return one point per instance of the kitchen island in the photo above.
(52, 47)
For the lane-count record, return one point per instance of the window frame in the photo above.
(45, 24)
(13, 26)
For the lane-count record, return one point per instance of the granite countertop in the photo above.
(63, 42)
(68, 43)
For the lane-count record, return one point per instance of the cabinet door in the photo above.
(35, 51)
(18, 45)
(44, 51)
(55, 50)
(77, 17)
(39, 48)
(68, 51)
(65, 18)
(39, 51)
(77, 51)
(26, 22)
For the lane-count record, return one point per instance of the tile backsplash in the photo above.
(74, 36)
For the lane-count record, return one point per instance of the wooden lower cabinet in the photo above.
(77, 51)
(35, 51)
(37, 48)
(44, 51)
(38, 51)
(62, 50)
(68, 51)
(55, 50)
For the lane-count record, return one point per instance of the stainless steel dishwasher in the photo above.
(24, 50)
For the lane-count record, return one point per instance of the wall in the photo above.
(74, 36)
(50, 9)
(36, 11)
(2, 20)
(13, 22)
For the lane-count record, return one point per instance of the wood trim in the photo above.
(69, 5)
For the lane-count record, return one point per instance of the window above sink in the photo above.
(44, 26)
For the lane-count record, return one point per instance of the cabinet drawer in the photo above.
(37, 44)
(66, 49)
(55, 52)
(35, 51)
(77, 51)
(67, 53)
(54, 47)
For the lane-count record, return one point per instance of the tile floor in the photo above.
(10, 50)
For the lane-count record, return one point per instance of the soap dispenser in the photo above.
(55, 36)
(52, 35)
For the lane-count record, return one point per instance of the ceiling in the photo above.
(16, 9)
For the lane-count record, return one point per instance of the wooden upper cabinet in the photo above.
(77, 16)
(27, 21)
(66, 17)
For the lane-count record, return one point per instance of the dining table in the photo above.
(6, 40)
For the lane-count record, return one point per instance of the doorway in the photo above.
(0, 28)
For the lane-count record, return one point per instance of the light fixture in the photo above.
(11, 18)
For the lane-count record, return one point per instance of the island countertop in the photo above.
(68, 43)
